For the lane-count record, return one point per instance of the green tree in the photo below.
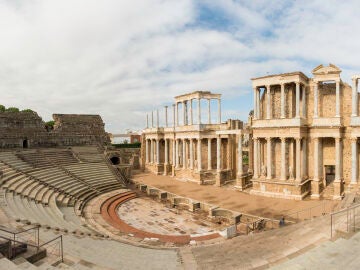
(12, 109)
(2, 108)
(28, 110)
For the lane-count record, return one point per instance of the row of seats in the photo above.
(88, 154)
(11, 159)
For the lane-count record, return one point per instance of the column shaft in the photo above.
(191, 154)
(199, 111)
(256, 154)
(166, 152)
(258, 103)
(240, 157)
(298, 159)
(152, 119)
(184, 112)
(191, 112)
(269, 158)
(157, 151)
(173, 152)
(209, 154)
(304, 157)
(355, 100)
(337, 105)
(218, 153)
(282, 101)
(316, 99)
(354, 161)
(177, 153)
(316, 159)
(297, 102)
(268, 102)
(337, 159)
(147, 121)
(151, 151)
(184, 154)
(177, 114)
(283, 159)
(304, 101)
(255, 103)
(199, 154)
(147, 151)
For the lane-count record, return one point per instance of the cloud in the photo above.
(121, 59)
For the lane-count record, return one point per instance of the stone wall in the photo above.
(27, 129)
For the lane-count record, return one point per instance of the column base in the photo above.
(218, 179)
(338, 190)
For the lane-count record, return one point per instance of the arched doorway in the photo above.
(115, 160)
(25, 144)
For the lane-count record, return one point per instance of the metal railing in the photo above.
(345, 221)
(24, 237)
(309, 213)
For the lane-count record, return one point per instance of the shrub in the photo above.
(2, 108)
(28, 110)
(12, 109)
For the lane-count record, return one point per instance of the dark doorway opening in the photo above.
(329, 174)
(25, 143)
(115, 160)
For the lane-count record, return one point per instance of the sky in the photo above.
(123, 59)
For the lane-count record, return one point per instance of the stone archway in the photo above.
(115, 160)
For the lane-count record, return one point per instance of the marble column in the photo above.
(166, 152)
(258, 103)
(316, 159)
(147, 121)
(209, 111)
(269, 158)
(298, 160)
(218, 153)
(151, 151)
(354, 161)
(304, 157)
(316, 96)
(268, 102)
(147, 151)
(256, 158)
(158, 151)
(191, 112)
(191, 154)
(173, 152)
(282, 101)
(297, 100)
(337, 159)
(177, 154)
(337, 101)
(184, 113)
(209, 154)
(199, 111)
(166, 116)
(219, 111)
(199, 154)
(184, 154)
(283, 159)
(304, 101)
(240, 171)
(355, 100)
(255, 103)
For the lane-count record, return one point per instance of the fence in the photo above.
(309, 213)
(345, 221)
(31, 238)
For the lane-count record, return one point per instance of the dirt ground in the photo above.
(229, 198)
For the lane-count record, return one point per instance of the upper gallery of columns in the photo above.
(279, 79)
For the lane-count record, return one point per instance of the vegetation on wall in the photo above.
(127, 145)
(12, 109)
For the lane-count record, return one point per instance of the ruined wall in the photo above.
(27, 129)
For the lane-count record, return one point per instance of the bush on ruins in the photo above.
(2, 108)
(12, 109)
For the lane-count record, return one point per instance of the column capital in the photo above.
(283, 139)
(354, 139)
(268, 139)
(268, 87)
(298, 83)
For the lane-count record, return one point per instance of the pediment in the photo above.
(330, 69)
